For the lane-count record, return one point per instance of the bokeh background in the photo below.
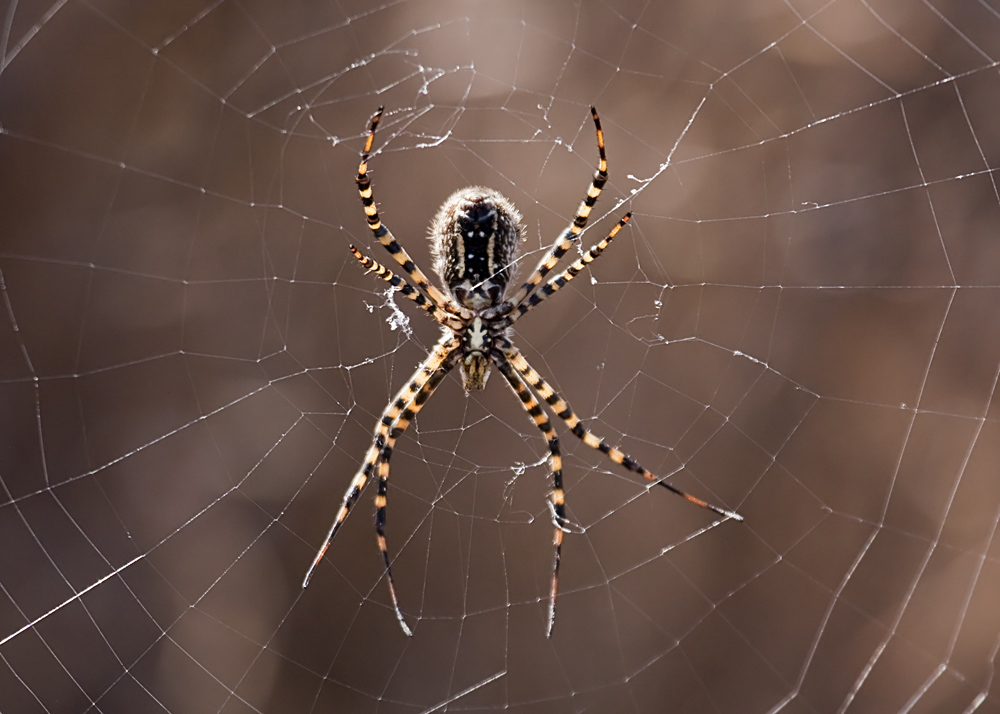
(800, 323)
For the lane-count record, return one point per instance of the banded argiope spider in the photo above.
(474, 238)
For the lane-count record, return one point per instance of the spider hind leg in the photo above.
(565, 412)
(391, 425)
(557, 498)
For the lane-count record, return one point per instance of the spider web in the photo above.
(800, 323)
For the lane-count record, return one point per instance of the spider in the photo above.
(474, 240)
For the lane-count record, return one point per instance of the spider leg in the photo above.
(407, 290)
(571, 272)
(402, 422)
(384, 236)
(440, 359)
(557, 497)
(565, 240)
(565, 412)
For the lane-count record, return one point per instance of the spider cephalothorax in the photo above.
(478, 341)
(474, 238)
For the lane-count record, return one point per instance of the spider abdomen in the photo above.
(474, 239)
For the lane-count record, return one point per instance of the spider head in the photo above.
(474, 238)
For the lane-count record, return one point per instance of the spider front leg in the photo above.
(391, 425)
(385, 237)
(565, 412)
(577, 267)
(407, 290)
(557, 497)
(566, 238)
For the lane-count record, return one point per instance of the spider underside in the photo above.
(474, 240)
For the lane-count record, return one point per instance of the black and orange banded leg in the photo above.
(439, 356)
(558, 497)
(571, 272)
(407, 290)
(565, 412)
(384, 236)
(565, 240)
(402, 422)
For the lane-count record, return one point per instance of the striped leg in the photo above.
(403, 401)
(407, 290)
(565, 412)
(402, 422)
(382, 233)
(563, 243)
(557, 497)
(571, 272)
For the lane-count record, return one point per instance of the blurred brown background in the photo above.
(800, 323)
